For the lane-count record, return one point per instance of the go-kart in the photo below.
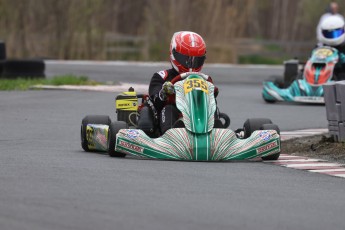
(305, 85)
(199, 140)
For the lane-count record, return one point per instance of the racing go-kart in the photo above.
(199, 140)
(306, 86)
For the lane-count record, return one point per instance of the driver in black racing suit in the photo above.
(187, 54)
(332, 33)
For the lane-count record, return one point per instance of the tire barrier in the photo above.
(2, 50)
(23, 68)
(334, 93)
(2, 55)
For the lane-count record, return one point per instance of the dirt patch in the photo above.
(320, 146)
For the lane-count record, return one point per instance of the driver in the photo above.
(187, 54)
(333, 34)
(333, 10)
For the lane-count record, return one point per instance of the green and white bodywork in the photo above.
(199, 140)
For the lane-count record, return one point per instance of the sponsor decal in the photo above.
(267, 147)
(89, 137)
(310, 99)
(126, 104)
(265, 135)
(162, 74)
(132, 133)
(102, 139)
(163, 115)
(130, 146)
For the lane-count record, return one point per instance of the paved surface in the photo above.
(240, 89)
(48, 182)
(137, 72)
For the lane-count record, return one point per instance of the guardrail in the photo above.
(334, 94)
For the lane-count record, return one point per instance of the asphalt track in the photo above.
(239, 86)
(48, 182)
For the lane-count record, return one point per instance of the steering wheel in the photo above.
(183, 76)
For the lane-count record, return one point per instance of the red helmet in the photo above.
(187, 52)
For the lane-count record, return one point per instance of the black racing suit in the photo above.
(339, 70)
(167, 111)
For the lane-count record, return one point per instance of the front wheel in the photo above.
(91, 119)
(114, 128)
(271, 101)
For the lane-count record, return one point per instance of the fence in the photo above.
(126, 47)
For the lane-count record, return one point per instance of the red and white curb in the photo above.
(310, 164)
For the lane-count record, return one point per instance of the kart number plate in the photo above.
(310, 99)
(323, 53)
(197, 84)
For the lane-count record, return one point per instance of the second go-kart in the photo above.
(199, 140)
(306, 86)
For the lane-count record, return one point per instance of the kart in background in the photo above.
(201, 139)
(303, 84)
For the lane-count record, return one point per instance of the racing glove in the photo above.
(167, 89)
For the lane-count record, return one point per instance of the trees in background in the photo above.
(95, 29)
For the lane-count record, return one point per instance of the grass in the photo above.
(26, 83)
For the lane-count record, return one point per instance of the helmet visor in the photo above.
(333, 33)
(189, 62)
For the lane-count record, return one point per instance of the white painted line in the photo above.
(313, 165)
(327, 170)
(296, 160)
(105, 63)
(289, 156)
(305, 130)
(101, 88)
(286, 135)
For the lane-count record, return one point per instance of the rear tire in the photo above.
(275, 127)
(2, 50)
(2, 56)
(253, 124)
(114, 128)
(91, 119)
(23, 68)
